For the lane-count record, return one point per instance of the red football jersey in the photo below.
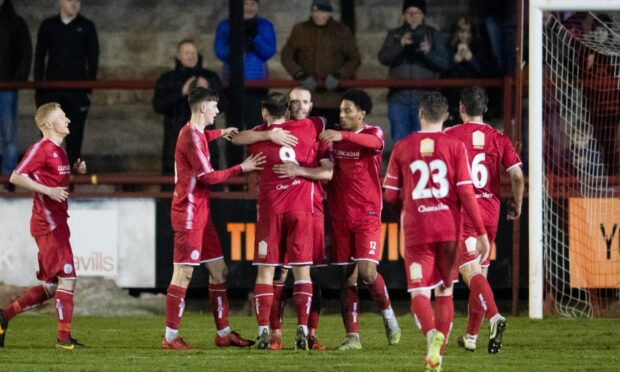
(193, 175)
(355, 190)
(323, 150)
(282, 195)
(489, 150)
(428, 167)
(46, 163)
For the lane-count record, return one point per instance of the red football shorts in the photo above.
(467, 248)
(55, 255)
(284, 239)
(429, 265)
(357, 240)
(196, 246)
(319, 257)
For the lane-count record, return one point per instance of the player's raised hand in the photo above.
(228, 133)
(514, 212)
(483, 246)
(287, 170)
(330, 135)
(282, 137)
(79, 166)
(253, 162)
(57, 194)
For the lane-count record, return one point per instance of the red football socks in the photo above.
(423, 311)
(32, 298)
(350, 309)
(379, 293)
(263, 300)
(444, 314)
(218, 299)
(175, 304)
(64, 313)
(481, 303)
(302, 297)
(277, 307)
(315, 310)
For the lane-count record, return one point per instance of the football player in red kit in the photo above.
(489, 151)
(429, 171)
(195, 239)
(284, 230)
(45, 170)
(355, 203)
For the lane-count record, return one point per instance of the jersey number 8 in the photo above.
(287, 154)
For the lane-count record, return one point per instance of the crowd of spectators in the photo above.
(318, 53)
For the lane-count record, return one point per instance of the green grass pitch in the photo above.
(132, 343)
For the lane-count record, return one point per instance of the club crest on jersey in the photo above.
(477, 140)
(427, 147)
(262, 249)
(55, 155)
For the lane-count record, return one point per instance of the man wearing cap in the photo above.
(414, 50)
(319, 53)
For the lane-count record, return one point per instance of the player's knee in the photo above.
(219, 277)
(367, 275)
(50, 289)
(68, 284)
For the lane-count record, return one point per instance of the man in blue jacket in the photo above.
(260, 46)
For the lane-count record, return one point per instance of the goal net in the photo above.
(581, 154)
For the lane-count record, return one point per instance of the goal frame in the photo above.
(535, 136)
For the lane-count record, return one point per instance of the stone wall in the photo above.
(138, 39)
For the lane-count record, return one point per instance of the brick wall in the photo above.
(138, 39)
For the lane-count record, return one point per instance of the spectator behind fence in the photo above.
(260, 46)
(15, 61)
(322, 49)
(468, 59)
(414, 50)
(67, 49)
(499, 19)
(170, 99)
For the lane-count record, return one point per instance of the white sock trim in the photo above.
(171, 334)
(223, 332)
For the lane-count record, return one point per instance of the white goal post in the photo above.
(535, 137)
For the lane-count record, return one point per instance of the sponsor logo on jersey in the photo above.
(284, 186)
(346, 154)
(433, 208)
(64, 169)
(427, 147)
(484, 195)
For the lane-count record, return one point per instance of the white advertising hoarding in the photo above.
(112, 238)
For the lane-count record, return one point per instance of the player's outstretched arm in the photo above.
(58, 194)
(365, 140)
(517, 185)
(253, 162)
(292, 170)
(278, 136)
